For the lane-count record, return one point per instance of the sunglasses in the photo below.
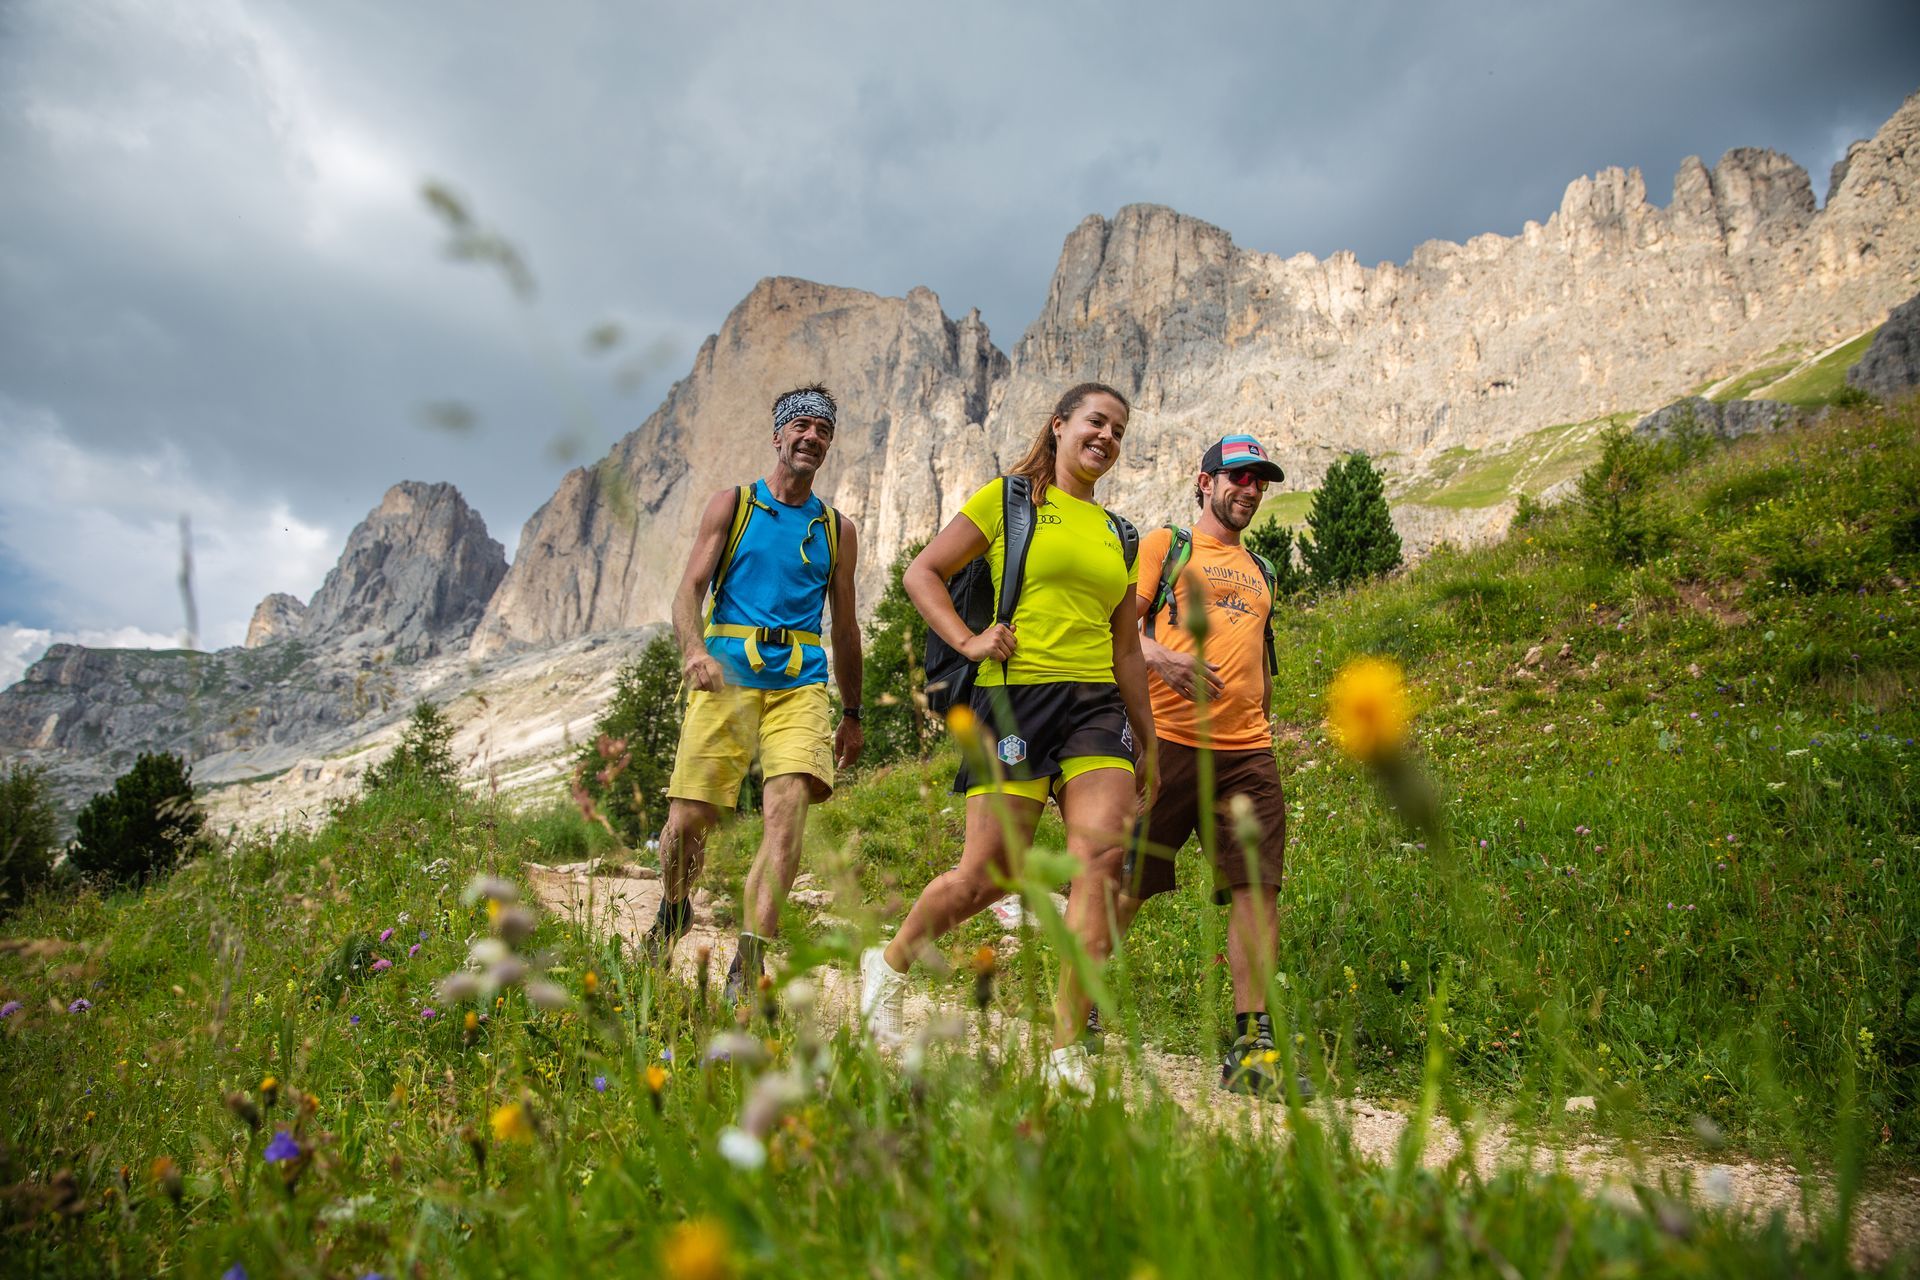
(1244, 476)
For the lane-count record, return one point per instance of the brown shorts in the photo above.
(1175, 815)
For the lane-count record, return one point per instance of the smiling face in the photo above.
(1089, 439)
(1233, 496)
(802, 444)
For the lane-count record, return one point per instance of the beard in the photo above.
(1223, 509)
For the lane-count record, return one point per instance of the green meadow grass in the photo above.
(1679, 878)
(1823, 380)
(1752, 380)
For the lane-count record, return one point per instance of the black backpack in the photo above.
(950, 675)
(1179, 551)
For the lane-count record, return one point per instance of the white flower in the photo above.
(488, 952)
(741, 1149)
(547, 995)
(489, 887)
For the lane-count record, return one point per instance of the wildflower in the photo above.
(456, 987)
(166, 1175)
(80, 1005)
(10, 1008)
(599, 1084)
(591, 983)
(241, 1105)
(492, 887)
(741, 1149)
(984, 959)
(282, 1147)
(514, 924)
(512, 1122)
(697, 1250)
(382, 965)
(354, 1021)
(734, 1046)
(471, 1022)
(269, 1092)
(413, 951)
(961, 722)
(385, 934)
(428, 1014)
(423, 935)
(234, 1272)
(656, 1077)
(547, 996)
(1367, 709)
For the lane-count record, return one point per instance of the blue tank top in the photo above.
(772, 584)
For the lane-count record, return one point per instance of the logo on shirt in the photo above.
(1013, 749)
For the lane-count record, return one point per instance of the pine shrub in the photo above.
(27, 834)
(1353, 538)
(142, 827)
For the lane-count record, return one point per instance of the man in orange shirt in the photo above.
(1232, 727)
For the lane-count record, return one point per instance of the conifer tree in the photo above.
(27, 834)
(1353, 538)
(625, 765)
(424, 756)
(1275, 541)
(896, 721)
(142, 826)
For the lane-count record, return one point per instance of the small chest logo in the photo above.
(1013, 749)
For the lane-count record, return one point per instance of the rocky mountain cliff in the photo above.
(913, 385)
(416, 573)
(1612, 305)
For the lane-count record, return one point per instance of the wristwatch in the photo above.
(850, 713)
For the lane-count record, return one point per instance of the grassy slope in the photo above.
(1603, 789)
(1730, 732)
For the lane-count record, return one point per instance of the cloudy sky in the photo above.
(223, 297)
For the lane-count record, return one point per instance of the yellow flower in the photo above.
(1367, 709)
(697, 1250)
(512, 1123)
(961, 722)
(269, 1091)
(591, 982)
(656, 1077)
(472, 1021)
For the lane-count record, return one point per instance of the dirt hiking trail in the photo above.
(623, 903)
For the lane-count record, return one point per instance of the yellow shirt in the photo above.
(1239, 610)
(1076, 576)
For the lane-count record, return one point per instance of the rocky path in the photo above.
(1888, 1215)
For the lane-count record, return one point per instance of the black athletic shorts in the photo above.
(1174, 815)
(1035, 729)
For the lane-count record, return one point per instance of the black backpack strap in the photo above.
(1017, 524)
(1179, 550)
(1128, 535)
(1268, 572)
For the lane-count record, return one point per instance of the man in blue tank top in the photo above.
(770, 556)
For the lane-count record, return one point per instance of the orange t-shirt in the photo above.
(1239, 608)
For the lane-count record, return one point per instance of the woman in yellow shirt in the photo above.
(1063, 693)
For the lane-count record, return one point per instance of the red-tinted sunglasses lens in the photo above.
(1244, 476)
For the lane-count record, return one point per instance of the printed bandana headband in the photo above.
(801, 404)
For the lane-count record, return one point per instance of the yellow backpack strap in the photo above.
(744, 501)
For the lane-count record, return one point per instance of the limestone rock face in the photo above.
(1891, 367)
(278, 616)
(913, 386)
(1612, 305)
(1726, 421)
(415, 577)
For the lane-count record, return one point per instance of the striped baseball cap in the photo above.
(1230, 453)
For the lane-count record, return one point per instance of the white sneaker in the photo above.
(1068, 1070)
(883, 997)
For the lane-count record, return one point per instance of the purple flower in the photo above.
(234, 1272)
(80, 1005)
(1582, 829)
(10, 1008)
(385, 934)
(428, 1015)
(382, 964)
(1483, 844)
(283, 1147)
(423, 935)
(599, 1084)
(354, 1021)
(413, 951)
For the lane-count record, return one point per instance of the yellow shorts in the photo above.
(790, 728)
(1040, 788)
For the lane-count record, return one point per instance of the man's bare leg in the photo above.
(783, 807)
(683, 854)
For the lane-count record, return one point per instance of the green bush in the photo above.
(424, 756)
(624, 768)
(1619, 521)
(27, 834)
(142, 827)
(1353, 537)
(897, 724)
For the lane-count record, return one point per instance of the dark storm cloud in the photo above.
(215, 267)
